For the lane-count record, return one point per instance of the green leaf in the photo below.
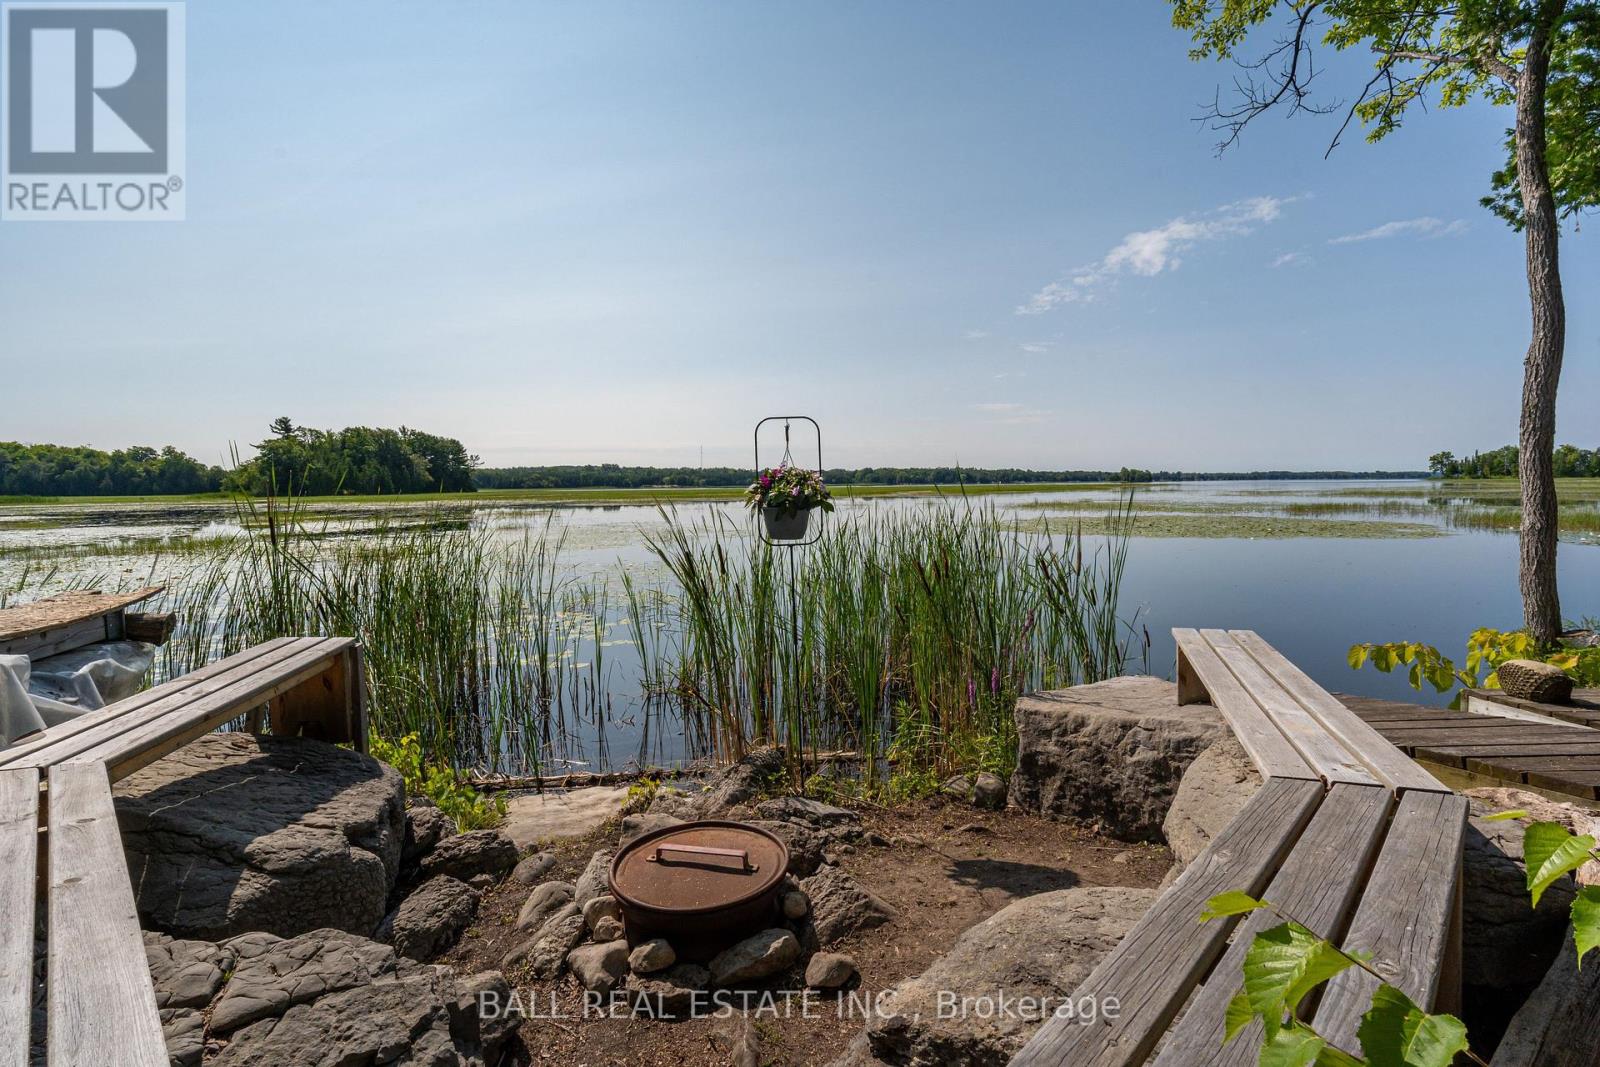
(1357, 657)
(1501, 816)
(1238, 1016)
(1396, 1033)
(1282, 965)
(1586, 920)
(1550, 851)
(1292, 1046)
(1232, 902)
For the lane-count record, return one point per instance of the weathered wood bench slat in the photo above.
(233, 690)
(209, 678)
(1153, 969)
(1317, 884)
(1408, 918)
(1458, 755)
(152, 736)
(1325, 753)
(19, 852)
(1386, 763)
(1268, 748)
(102, 1007)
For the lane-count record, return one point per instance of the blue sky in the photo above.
(987, 234)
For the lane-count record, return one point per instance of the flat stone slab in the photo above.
(538, 817)
(1113, 751)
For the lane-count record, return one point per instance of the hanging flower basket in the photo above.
(786, 496)
(786, 525)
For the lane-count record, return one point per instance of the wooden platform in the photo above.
(1584, 710)
(71, 620)
(1557, 757)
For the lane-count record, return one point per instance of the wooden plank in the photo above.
(1318, 746)
(1152, 971)
(1317, 884)
(1271, 752)
(102, 1007)
(1407, 914)
(1527, 735)
(62, 623)
(158, 732)
(151, 628)
(210, 677)
(19, 852)
(1380, 757)
(1446, 753)
(1585, 784)
(1481, 724)
(319, 708)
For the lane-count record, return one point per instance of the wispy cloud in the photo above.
(975, 335)
(1291, 259)
(1010, 414)
(1035, 348)
(1426, 226)
(1146, 253)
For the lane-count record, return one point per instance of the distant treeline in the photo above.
(61, 470)
(295, 459)
(1570, 462)
(357, 459)
(615, 476)
(368, 460)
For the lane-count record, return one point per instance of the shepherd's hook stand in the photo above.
(798, 733)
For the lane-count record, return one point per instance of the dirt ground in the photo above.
(946, 867)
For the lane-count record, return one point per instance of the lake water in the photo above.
(1312, 566)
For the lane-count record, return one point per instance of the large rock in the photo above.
(758, 956)
(634, 826)
(1040, 946)
(672, 992)
(1507, 944)
(544, 901)
(272, 974)
(841, 906)
(1217, 785)
(465, 856)
(595, 879)
(599, 967)
(1112, 751)
(1559, 1025)
(431, 918)
(425, 1018)
(426, 826)
(545, 952)
(540, 817)
(186, 974)
(806, 810)
(743, 781)
(804, 842)
(235, 832)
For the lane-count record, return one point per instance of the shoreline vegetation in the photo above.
(906, 638)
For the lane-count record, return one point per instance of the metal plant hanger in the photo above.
(814, 533)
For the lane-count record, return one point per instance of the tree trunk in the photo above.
(1541, 606)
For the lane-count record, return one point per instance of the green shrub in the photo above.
(439, 782)
(1486, 650)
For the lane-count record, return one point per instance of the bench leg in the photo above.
(330, 707)
(1190, 689)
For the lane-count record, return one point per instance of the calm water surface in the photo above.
(1311, 596)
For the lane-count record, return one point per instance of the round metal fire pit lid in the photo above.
(698, 867)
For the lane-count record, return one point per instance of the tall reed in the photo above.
(912, 629)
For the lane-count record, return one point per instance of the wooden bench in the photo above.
(100, 1004)
(1345, 833)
